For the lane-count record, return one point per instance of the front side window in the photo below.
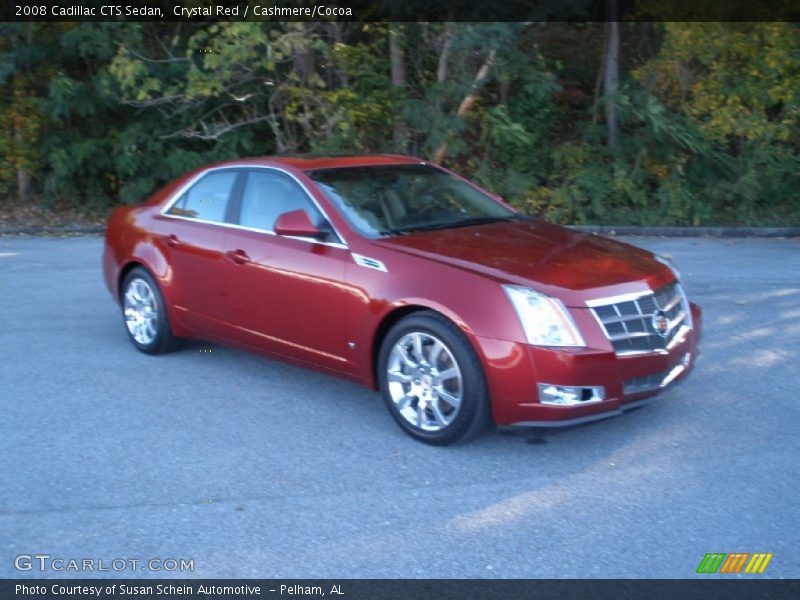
(268, 195)
(207, 199)
(395, 199)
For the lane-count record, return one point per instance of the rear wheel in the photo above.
(145, 314)
(432, 380)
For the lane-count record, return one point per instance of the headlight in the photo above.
(670, 263)
(545, 320)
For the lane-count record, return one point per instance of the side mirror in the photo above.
(298, 223)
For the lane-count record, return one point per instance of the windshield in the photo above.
(395, 199)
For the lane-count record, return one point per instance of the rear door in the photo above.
(192, 235)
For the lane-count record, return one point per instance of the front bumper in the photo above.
(514, 371)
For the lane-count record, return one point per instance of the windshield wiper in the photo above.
(483, 220)
(451, 224)
(416, 228)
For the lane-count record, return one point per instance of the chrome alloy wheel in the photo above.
(424, 381)
(141, 311)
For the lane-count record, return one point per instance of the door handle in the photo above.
(171, 240)
(238, 256)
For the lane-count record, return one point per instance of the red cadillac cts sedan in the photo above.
(404, 277)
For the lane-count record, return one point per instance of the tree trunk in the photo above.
(23, 176)
(598, 82)
(646, 39)
(303, 60)
(337, 34)
(397, 62)
(468, 102)
(611, 74)
(444, 55)
(23, 186)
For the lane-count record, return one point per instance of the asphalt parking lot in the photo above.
(252, 468)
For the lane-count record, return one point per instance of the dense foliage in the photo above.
(95, 114)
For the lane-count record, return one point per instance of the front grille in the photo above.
(655, 381)
(628, 324)
(643, 384)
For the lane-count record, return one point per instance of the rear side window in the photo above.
(207, 199)
(268, 195)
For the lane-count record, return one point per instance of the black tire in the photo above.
(474, 413)
(164, 340)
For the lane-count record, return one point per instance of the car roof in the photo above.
(310, 162)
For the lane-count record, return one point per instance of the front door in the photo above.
(285, 294)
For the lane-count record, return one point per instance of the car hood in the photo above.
(558, 261)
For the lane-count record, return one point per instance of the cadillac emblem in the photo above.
(660, 323)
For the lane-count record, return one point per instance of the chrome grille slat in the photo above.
(623, 319)
(677, 320)
(626, 336)
(627, 323)
(655, 381)
(671, 304)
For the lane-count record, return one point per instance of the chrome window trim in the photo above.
(184, 188)
(256, 230)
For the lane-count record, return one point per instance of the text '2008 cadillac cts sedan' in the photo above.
(406, 278)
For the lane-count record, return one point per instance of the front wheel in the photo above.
(432, 380)
(145, 314)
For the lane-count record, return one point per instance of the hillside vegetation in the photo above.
(585, 123)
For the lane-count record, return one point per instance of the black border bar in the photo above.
(701, 588)
(403, 10)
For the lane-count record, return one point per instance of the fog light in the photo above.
(568, 395)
